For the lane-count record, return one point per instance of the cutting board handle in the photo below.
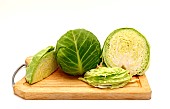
(13, 76)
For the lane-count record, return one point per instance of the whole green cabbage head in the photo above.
(78, 51)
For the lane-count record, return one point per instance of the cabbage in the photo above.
(127, 48)
(78, 51)
(41, 66)
(105, 77)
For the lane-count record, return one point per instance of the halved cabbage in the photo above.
(127, 48)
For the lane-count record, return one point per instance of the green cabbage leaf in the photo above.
(105, 77)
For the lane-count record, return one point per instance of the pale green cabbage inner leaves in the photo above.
(127, 48)
(78, 51)
(41, 66)
(105, 77)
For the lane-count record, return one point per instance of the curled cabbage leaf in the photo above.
(78, 51)
(105, 77)
(127, 48)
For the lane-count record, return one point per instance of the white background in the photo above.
(27, 26)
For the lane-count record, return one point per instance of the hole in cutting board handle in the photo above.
(13, 76)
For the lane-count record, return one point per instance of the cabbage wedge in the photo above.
(41, 66)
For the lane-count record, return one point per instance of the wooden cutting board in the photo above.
(62, 86)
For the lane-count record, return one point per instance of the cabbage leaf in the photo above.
(105, 77)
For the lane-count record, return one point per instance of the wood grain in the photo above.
(62, 86)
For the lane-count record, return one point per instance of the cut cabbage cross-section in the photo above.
(41, 66)
(127, 48)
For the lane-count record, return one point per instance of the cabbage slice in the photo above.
(127, 48)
